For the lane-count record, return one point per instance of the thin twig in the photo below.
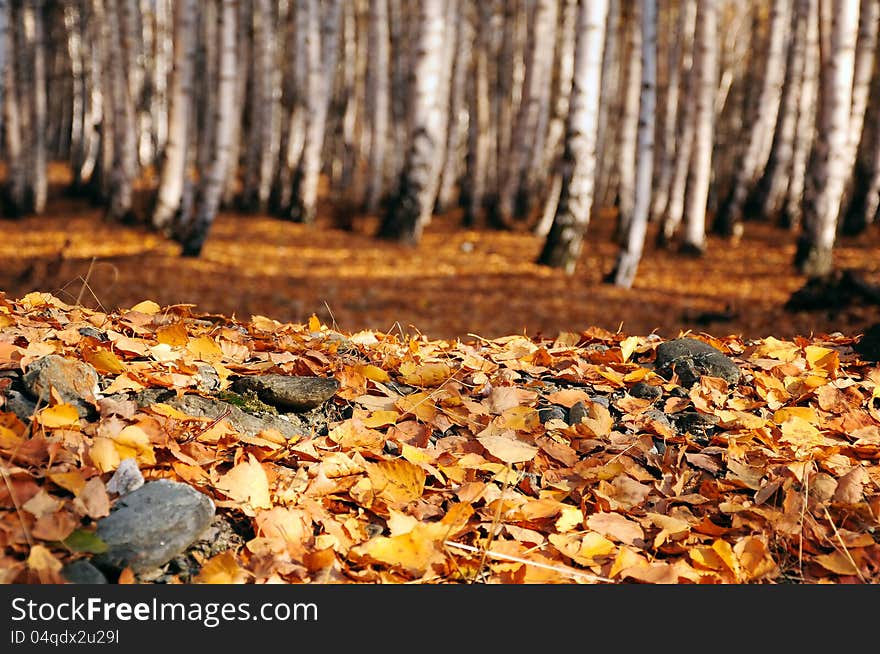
(509, 557)
(843, 545)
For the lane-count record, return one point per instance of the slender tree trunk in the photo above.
(550, 157)
(478, 140)
(536, 92)
(322, 45)
(173, 174)
(806, 121)
(39, 177)
(631, 254)
(378, 97)
(563, 244)
(193, 230)
(243, 56)
(706, 62)
(610, 109)
(629, 123)
(413, 201)
(679, 51)
(729, 222)
(774, 185)
(16, 179)
(830, 164)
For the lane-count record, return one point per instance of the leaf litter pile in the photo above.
(571, 459)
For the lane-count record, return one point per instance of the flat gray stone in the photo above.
(151, 525)
(289, 392)
(82, 572)
(691, 359)
(242, 421)
(76, 382)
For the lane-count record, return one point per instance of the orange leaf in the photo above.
(174, 335)
(397, 481)
(506, 448)
(60, 415)
(222, 568)
(104, 361)
(247, 483)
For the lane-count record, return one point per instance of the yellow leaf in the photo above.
(626, 558)
(418, 404)
(247, 483)
(9, 440)
(104, 455)
(800, 433)
(380, 418)
(836, 562)
(168, 411)
(373, 372)
(134, 438)
(428, 374)
(147, 306)
(772, 348)
(397, 481)
(570, 517)
(314, 323)
(104, 361)
(413, 551)
(123, 383)
(60, 415)
(628, 346)
(806, 413)
(595, 545)
(222, 568)
(41, 559)
(205, 349)
(521, 418)
(354, 433)
(72, 481)
(822, 359)
(507, 449)
(174, 335)
(726, 554)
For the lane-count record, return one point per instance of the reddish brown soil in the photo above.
(457, 282)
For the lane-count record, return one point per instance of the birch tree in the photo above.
(754, 161)
(379, 101)
(829, 164)
(173, 173)
(564, 241)
(631, 253)
(192, 230)
(706, 63)
(413, 201)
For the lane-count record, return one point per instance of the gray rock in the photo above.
(646, 391)
(76, 382)
(552, 412)
(153, 524)
(699, 425)
(868, 346)
(22, 406)
(82, 571)
(690, 359)
(207, 380)
(126, 478)
(577, 412)
(287, 392)
(242, 421)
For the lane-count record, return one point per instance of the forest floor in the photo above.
(459, 281)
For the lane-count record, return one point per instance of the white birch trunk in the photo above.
(413, 203)
(829, 166)
(173, 174)
(322, 46)
(762, 128)
(706, 63)
(631, 254)
(378, 97)
(629, 123)
(564, 242)
(194, 230)
(39, 174)
(525, 134)
(479, 107)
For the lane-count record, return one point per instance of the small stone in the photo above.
(868, 346)
(287, 392)
(126, 478)
(153, 524)
(20, 405)
(646, 391)
(577, 412)
(691, 359)
(82, 571)
(76, 382)
(552, 412)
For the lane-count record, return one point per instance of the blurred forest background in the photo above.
(450, 166)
